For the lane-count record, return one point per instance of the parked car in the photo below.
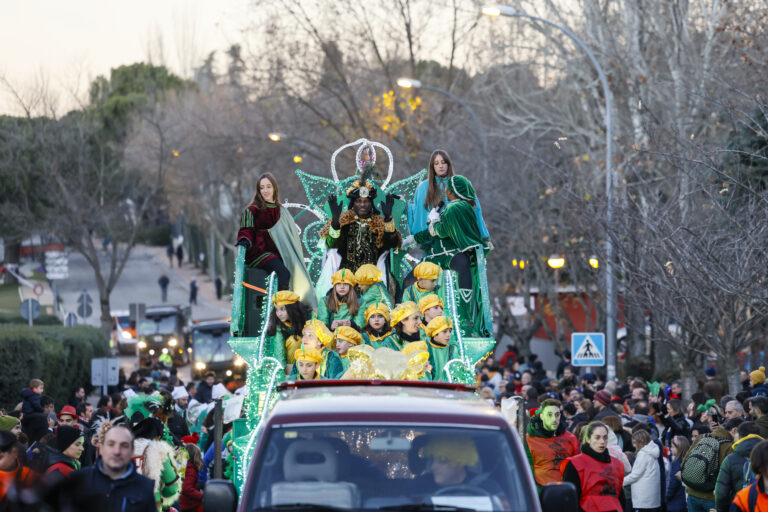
(123, 332)
(387, 445)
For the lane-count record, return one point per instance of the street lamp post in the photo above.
(556, 262)
(610, 284)
(407, 83)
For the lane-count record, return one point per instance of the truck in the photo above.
(211, 352)
(378, 445)
(164, 330)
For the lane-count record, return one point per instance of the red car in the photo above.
(387, 445)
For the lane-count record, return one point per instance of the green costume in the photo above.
(344, 362)
(376, 293)
(414, 294)
(325, 315)
(439, 355)
(400, 342)
(330, 368)
(387, 340)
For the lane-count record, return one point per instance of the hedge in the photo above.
(61, 357)
(158, 235)
(18, 319)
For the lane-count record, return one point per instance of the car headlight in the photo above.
(142, 344)
(165, 350)
(229, 373)
(151, 351)
(200, 365)
(125, 334)
(239, 361)
(172, 342)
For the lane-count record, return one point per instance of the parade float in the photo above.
(253, 295)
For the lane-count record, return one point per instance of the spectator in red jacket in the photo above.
(191, 499)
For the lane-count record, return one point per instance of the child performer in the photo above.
(430, 306)
(426, 274)
(317, 336)
(406, 320)
(377, 331)
(285, 325)
(308, 361)
(340, 305)
(346, 338)
(372, 290)
(440, 349)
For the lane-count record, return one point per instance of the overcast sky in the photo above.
(68, 43)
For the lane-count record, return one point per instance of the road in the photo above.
(138, 283)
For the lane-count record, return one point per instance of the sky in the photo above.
(65, 44)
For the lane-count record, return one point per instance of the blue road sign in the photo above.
(588, 349)
(84, 308)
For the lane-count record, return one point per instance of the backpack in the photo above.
(748, 476)
(700, 468)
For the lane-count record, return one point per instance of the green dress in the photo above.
(414, 294)
(325, 315)
(330, 368)
(455, 232)
(344, 362)
(376, 293)
(438, 356)
(388, 340)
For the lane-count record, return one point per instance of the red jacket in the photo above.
(254, 224)
(191, 498)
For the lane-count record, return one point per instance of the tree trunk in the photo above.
(12, 256)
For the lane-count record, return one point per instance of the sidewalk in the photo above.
(205, 287)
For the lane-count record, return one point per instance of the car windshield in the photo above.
(389, 468)
(124, 321)
(211, 346)
(157, 324)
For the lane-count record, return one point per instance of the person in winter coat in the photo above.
(602, 403)
(156, 460)
(753, 498)
(757, 382)
(597, 476)
(64, 452)
(12, 472)
(548, 443)
(700, 500)
(616, 453)
(675, 495)
(674, 422)
(191, 499)
(31, 397)
(731, 477)
(205, 388)
(645, 477)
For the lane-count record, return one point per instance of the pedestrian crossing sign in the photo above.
(588, 349)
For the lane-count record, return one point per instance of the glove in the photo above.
(335, 207)
(408, 241)
(386, 208)
(244, 242)
(434, 216)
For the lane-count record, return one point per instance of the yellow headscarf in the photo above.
(437, 325)
(344, 276)
(320, 330)
(285, 297)
(376, 308)
(429, 301)
(427, 270)
(346, 333)
(308, 354)
(402, 311)
(368, 274)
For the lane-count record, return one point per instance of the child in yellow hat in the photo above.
(406, 320)
(430, 307)
(377, 331)
(285, 325)
(308, 361)
(316, 335)
(340, 304)
(426, 274)
(346, 337)
(372, 290)
(440, 348)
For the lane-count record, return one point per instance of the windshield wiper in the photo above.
(426, 507)
(303, 506)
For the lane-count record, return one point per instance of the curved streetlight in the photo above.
(610, 285)
(408, 83)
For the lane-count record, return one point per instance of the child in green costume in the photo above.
(439, 345)
(406, 319)
(372, 290)
(285, 325)
(430, 306)
(308, 362)
(377, 331)
(340, 305)
(426, 274)
(317, 336)
(345, 338)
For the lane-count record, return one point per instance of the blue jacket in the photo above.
(760, 390)
(675, 497)
(31, 401)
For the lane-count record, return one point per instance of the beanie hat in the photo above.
(284, 297)
(758, 376)
(345, 276)
(8, 422)
(429, 301)
(462, 188)
(426, 270)
(65, 436)
(368, 274)
(710, 371)
(603, 397)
